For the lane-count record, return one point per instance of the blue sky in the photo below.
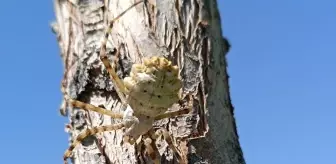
(281, 81)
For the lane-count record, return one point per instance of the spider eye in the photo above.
(145, 90)
(159, 96)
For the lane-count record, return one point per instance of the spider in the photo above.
(152, 87)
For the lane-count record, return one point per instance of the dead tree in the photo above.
(189, 34)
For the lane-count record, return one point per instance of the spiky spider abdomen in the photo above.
(145, 95)
(153, 86)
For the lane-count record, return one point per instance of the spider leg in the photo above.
(118, 83)
(89, 132)
(163, 132)
(86, 106)
(152, 150)
(173, 114)
(128, 123)
(185, 110)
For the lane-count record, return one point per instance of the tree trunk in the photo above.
(186, 32)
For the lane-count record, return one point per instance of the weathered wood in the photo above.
(188, 33)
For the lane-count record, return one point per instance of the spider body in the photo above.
(152, 87)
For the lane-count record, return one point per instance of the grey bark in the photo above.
(188, 33)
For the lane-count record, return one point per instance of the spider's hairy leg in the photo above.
(185, 110)
(86, 106)
(89, 132)
(163, 132)
(118, 83)
(173, 114)
(151, 148)
(63, 109)
(128, 122)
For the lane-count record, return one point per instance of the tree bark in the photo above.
(186, 32)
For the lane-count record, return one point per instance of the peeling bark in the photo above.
(186, 32)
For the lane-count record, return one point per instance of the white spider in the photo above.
(146, 94)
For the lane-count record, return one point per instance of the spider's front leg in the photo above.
(118, 83)
(89, 132)
(89, 107)
(129, 123)
(163, 132)
(183, 111)
(151, 149)
(167, 137)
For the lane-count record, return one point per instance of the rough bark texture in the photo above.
(188, 33)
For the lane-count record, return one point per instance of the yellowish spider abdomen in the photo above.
(153, 86)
